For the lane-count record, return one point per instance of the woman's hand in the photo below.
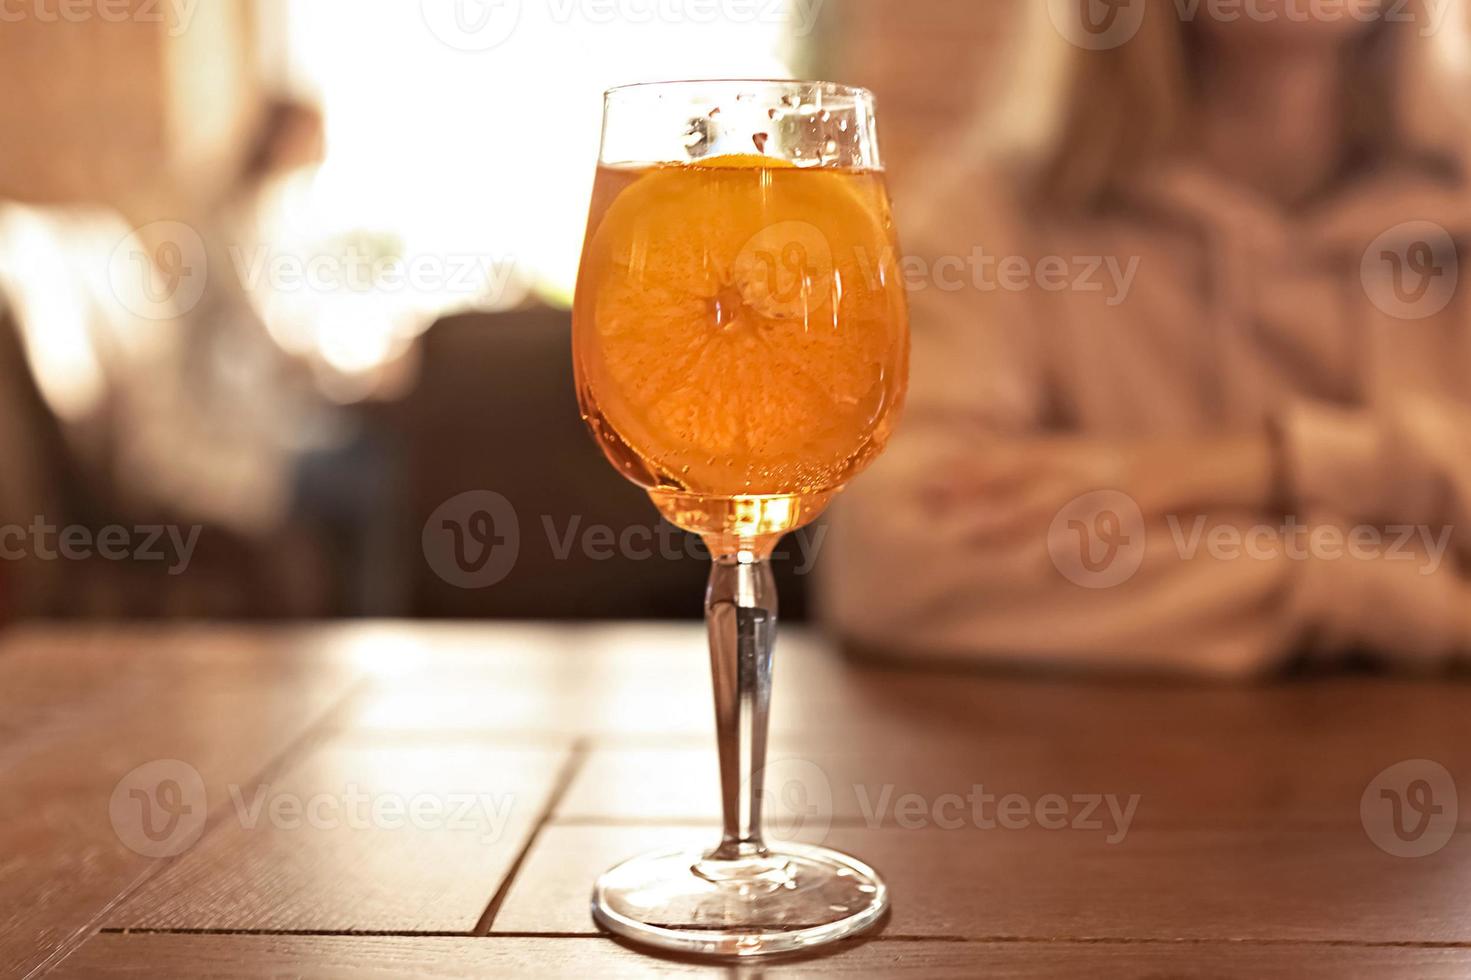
(1009, 488)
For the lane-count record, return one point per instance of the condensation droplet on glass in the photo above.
(760, 140)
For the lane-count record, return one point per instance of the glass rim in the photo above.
(840, 89)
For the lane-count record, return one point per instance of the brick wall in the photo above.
(119, 107)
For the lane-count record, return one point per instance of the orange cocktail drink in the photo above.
(741, 344)
(740, 336)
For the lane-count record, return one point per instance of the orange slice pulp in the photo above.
(747, 327)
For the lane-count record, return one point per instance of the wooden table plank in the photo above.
(649, 683)
(239, 957)
(99, 706)
(649, 680)
(362, 836)
(1191, 780)
(1161, 885)
(1244, 857)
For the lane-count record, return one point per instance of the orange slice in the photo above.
(747, 322)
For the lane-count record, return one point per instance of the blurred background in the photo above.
(284, 285)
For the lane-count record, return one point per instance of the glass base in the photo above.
(792, 897)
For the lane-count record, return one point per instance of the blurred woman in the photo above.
(1192, 370)
(138, 386)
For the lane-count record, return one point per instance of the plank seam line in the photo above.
(998, 940)
(311, 736)
(570, 768)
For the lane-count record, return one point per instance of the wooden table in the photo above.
(386, 800)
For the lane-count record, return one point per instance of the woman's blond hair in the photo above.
(1077, 121)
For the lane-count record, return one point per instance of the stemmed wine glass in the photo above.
(740, 340)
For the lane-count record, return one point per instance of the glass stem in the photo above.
(740, 613)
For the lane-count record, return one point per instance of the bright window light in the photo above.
(468, 129)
